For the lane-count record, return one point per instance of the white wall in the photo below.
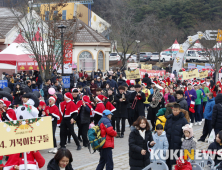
(78, 49)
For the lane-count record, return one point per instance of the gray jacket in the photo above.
(183, 103)
(189, 144)
(76, 77)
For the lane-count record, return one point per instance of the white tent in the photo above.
(197, 46)
(174, 48)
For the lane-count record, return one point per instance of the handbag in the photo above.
(192, 104)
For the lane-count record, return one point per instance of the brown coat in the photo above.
(169, 111)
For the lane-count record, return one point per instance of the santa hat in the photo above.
(86, 99)
(188, 128)
(74, 90)
(202, 81)
(7, 103)
(132, 82)
(218, 83)
(53, 98)
(100, 97)
(41, 103)
(68, 95)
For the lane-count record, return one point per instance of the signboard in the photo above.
(191, 65)
(26, 135)
(207, 65)
(200, 67)
(152, 73)
(131, 75)
(220, 76)
(203, 74)
(147, 67)
(30, 65)
(3, 83)
(66, 81)
(190, 74)
(132, 66)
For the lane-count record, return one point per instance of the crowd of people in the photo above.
(108, 100)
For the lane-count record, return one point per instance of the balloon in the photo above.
(183, 69)
(51, 91)
(172, 75)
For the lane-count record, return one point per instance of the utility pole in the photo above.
(138, 53)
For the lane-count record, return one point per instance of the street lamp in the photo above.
(138, 54)
(62, 30)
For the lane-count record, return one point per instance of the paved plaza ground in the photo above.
(83, 160)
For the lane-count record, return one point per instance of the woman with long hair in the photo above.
(139, 138)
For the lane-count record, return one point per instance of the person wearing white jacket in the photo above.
(161, 141)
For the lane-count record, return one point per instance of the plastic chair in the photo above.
(204, 163)
(157, 165)
(195, 166)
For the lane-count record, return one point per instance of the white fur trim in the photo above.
(98, 113)
(113, 110)
(8, 167)
(52, 98)
(56, 116)
(10, 119)
(29, 166)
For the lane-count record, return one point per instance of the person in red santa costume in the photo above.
(219, 87)
(7, 113)
(68, 110)
(53, 111)
(85, 111)
(99, 108)
(16, 161)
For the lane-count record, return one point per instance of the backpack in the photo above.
(42, 93)
(95, 139)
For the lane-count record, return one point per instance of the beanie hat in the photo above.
(171, 98)
(188, 128)
(53, 98)
(68, 95)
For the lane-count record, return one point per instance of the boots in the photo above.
(118, 135)
(122, 135)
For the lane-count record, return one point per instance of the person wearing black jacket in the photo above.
(139, 138)
(17, 94)
(60, 160)
(174, 131)
(147, 80)
(137, 98)
(28, 88)
(181, 100)
(84, 119)
(122, 100)
(46, 87)
(129, 107)
(111, 98)
(217, 114)
(216, 146)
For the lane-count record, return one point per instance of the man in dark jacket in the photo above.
(181, 100)
(46, 87)
(208, 117)
(28, 88)
(137, 98)
(122, 101)
(147, 80)
(112, 83)
(174, 131)
(217, 114)
(98, 82)
(107, 131)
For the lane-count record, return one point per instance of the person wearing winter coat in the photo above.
(17, 94)
(181, 100)
(122, 100)
(82, 82)
(75, 76)
(137, 98)
(121, 81)
(61, 161)
(147, 80)
(216, 146)
(98, 82)
(174, 131)
(161, 141)
(112, 83)
(106, 156)
(217, 114)
(139, 138)
(188, 142)
(208, 117)
(93, 87)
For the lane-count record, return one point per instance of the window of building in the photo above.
(86, 61)
(64, 15)
(100, 61)
(46, 15)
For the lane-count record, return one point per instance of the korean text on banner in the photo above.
(21, 66)
(66, 81)
(200, 67)
(147, 67)
(152, 73)
(132, 65)
(190, 74)
(3, 83)
(26, 135)
(207, 65)
(203, 74)
(191, 65)
(68, 58)
(130, 75)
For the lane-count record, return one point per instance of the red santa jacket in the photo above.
(10, 113)
(110, 107)
(99, 108)
(68, 108)
(54, 112)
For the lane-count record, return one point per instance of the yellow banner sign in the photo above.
(203, 74)
(147, 67)
(133, 74)
(190, 74)
(25, 135)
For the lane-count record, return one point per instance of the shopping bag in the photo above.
(211, 137)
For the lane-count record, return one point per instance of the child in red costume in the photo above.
(16, 161)
(99, 108)
(53, 111)
(68, 110)
(8, 114)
